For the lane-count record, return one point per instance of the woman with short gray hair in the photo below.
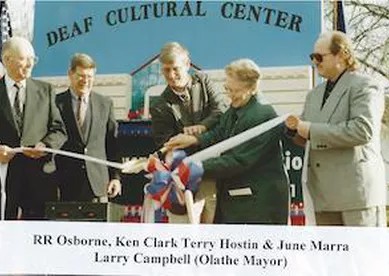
(252, 185)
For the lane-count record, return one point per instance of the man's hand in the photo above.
(5, 154)
(195, 129)
(292, 122)
(181, 141)
(303, 129)
(36, 152)
(114, 188)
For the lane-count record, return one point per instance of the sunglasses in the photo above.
(318, 57)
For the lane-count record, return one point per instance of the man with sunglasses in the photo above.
(342, 121)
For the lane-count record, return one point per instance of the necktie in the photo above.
(81, 110)
(185, 98)
(17, 109)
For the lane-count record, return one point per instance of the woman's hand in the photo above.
(181, 141)
(195, 129)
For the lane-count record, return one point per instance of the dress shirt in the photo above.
(75, 97)
(11, 91)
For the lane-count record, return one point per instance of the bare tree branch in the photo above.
(374, 9)
(375, 68)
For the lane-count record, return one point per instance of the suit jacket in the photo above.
(345, 166)
(41, 123)
(169, 116)
(255, 166)
(100, 143)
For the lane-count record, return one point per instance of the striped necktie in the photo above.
(17, 108)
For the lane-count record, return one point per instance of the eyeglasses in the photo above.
(84, 76)
(318, 57)
(31, 59)
(229, 91)
(236, 90)
(35, 59)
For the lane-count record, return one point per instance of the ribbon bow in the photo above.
(170, 179)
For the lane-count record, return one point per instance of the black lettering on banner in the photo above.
(171, 9)
(226, 9)
(240, 11)
(144, 8)
(199, 11)
(123, 15)
(281, 19)
(295, 23)
(52, 38)
(133, 14)
(229, 10)
(268, 14)
(62, 33)
(110, 18)
(155, 10)
(186, 11)
(255, 13)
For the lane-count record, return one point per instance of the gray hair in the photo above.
(172, 51)
(17, 43)
(244, 70)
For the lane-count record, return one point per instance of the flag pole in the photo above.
(335, 16)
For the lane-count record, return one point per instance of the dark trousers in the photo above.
(29, 188)
(75, 185)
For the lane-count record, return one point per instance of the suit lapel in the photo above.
(313, 110)
(5, 105)
(31, 105)
(196, 96)
(335, 97)
(93, 105)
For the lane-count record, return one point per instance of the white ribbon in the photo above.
(131, 166)
(134, 165)
(219, 148)
(75, 155)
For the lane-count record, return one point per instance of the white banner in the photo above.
(92, 248)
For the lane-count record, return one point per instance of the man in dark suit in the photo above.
(92, 130)
(29, 118)
(190, 104)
